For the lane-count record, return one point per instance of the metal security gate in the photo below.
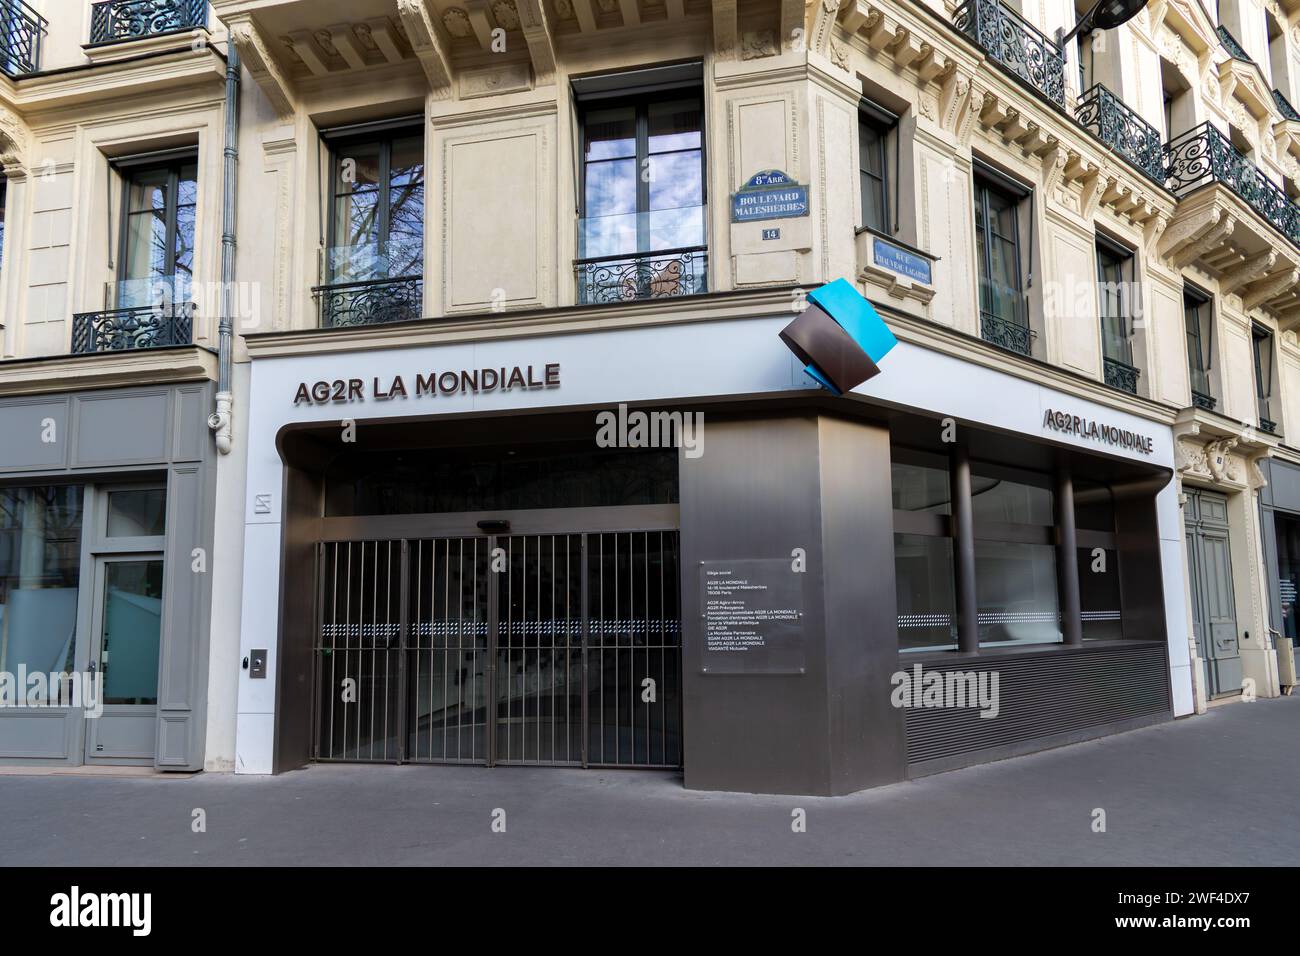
(538, 649)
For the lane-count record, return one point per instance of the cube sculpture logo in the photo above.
(840, 337)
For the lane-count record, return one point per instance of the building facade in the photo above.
(476, 259)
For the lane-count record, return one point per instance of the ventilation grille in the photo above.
(1041, 695)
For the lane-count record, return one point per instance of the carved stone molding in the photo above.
(427, 45)
(537, 35)
(261, 64)
(756, 44)
(14, 140)
(1216, 455)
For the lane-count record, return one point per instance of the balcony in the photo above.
(128, 329)
(1204, 155)
(654, 275)
(1201, 400)
(1284, 107)
(114, 21)
(22, 30)
(1235, 49)
(1121, 375)
(1132, 137)
(373, 302)
(659, 254)
(1016, 44)
(1006, 335)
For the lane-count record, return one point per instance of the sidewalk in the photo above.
(1212, 790)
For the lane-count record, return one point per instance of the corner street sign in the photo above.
(900, 260)
(770, 194)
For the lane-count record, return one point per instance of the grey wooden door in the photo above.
(124, 653)
(1214, 610)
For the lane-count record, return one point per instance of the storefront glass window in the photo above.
(996, 499)
(137, 512)
(132, 629)
(921, 485)
(924, 582)
(1098, 561)
(446, 480)
(1015, 559)
(1015, 584)
(1099, 594)
(1288, 572)
(40, 563)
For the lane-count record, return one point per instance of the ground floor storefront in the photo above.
(106, 523)
(1280, 531)
(1225, 488)
(659, 547)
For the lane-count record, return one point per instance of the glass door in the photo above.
(127, 629)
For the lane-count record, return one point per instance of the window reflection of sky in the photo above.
(671, 213)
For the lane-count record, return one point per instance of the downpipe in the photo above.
(219, 421)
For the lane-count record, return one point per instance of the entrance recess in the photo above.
(1214, 611)
(537, 649)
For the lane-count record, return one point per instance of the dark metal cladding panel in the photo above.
(1044, 697)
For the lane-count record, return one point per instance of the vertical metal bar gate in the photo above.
(543, 649)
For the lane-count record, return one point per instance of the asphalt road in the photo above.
(1220, 789)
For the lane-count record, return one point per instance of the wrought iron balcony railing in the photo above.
(116, 20)
(22, 30)
(1107, 116)
(1201, 400)
(1230, 44)
(143, 327)
(1016, 44)
(653, 275)
(1121, 375)
(1006, 335)
(375, 302)
(1204, 155)
(1285, 108)
(1267, 424)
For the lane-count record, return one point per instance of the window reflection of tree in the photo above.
(397, 245)
(61, 509)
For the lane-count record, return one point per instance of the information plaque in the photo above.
(753, 616)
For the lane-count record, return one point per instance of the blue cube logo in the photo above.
(840, 337)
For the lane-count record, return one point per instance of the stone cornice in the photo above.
(693, 309)
(69, 373)
(537, 322)
(163, 73)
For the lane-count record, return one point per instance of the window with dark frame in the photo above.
(373, 272)
(642, 196)
(1015, 556)
(156, 258)
(876, 126)
(1115, 266)
(1198, 324)
(1003, 318)
(377, 197)
(923, 562)
(1098, 561)
(1262, 345)
(4, 195)
(1017, 587)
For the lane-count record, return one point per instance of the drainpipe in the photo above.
(219, 421)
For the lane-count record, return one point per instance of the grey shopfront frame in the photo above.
(1279, 497)
(795, 480)
(111, 438)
